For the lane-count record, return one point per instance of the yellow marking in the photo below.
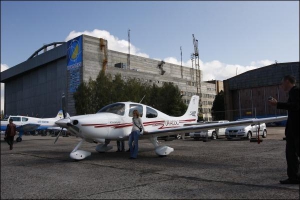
(75, 53)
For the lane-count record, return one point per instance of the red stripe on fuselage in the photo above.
(156, 123)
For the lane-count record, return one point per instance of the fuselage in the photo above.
(115, 121)
(18, 120)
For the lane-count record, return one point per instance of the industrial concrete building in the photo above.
(35, 86)
(246, 94)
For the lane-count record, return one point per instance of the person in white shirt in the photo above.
(137, 130)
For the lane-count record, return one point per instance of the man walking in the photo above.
(292, 131)
(10, 133)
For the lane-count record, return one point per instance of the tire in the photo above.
(264, 134)
(18, 139)
(196, 138)
(229, 138)
(249, 135)
(214, 135)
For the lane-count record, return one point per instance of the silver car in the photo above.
(246, 131)
(212, 133)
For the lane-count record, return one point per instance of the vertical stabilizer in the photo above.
(192, 111)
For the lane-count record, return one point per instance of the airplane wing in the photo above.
(197, 128)
(28, 127)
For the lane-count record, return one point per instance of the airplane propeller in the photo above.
(63, 102)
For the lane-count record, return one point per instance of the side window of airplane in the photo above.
(117, 108)
(24, 119)
(151, 113)
(137, 107)
(16, 119)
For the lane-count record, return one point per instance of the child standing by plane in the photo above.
(137, 129)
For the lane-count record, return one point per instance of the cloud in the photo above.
(114, 43)
(3, 68)
(216, 70)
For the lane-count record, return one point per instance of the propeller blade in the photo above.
(58, 135)
(63, 104)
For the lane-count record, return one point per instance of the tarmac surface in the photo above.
(220, 169)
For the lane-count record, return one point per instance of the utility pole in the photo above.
(128, 56)
(181, 61)
(197, 67)
(192, 71)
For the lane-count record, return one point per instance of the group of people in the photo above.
(292, 131)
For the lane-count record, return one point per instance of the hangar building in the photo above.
(246, 94)
(35, 86)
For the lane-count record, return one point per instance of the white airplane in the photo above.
(114, 122)
(27, 124)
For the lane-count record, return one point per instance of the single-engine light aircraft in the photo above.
(28, 124)
(114, 122)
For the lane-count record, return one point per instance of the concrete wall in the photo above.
(145, 69)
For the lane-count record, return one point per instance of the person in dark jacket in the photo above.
(10, 133)
(121, 146)
(292, 131)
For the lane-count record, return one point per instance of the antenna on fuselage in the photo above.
(142, 98)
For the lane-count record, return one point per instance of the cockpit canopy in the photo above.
(121, 109)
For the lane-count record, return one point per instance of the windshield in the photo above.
(116, 108)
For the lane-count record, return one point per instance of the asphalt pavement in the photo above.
(220, 169)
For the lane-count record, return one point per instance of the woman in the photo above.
(135, 133)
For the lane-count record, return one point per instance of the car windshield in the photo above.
(116, 108)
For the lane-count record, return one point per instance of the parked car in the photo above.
(172, 137)
(246, 131)
(212, 133)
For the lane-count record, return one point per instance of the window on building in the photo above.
(151, 113)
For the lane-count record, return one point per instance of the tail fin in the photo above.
(192, 111)
(60, 115)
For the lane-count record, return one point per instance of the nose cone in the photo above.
(62, 123)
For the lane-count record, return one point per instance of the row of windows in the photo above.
(211, 89)
(18, 119)
(207, 102)
(119, 109)
(142, 80)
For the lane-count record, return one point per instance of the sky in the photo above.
(233, 37)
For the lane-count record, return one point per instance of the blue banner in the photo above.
(74, 62)
(75, 52)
